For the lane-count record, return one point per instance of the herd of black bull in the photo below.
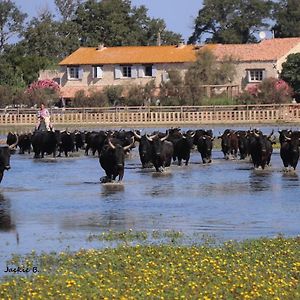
(157, 149)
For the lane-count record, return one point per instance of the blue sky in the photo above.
(178, 14)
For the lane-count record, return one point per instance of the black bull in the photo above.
(155, 150)
(45, 142)
(5, 157)
(289, 147)
(112, 158)
(204, 146)
(161, 152)
(261, 149)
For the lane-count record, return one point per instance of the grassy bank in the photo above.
(256, 269)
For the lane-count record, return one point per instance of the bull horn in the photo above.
(111, 144)
(13, 146)
(136, 135)
(192, 134)
(271, 134)
(287, 138)
(149, 138)
(256, 134)
(164, 138)
(129, 146)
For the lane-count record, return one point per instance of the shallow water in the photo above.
(51, 204)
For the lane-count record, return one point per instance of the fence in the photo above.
(161, 115)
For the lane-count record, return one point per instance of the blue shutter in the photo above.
(80, 72)
(68, 73)
(118, 72)
(141, 71)
(154, 71)
(134, 72)
(99, 72)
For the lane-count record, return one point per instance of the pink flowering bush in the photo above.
(252, 89)
(270, 90)
(283, 87)
(43, 84)
(46, 91)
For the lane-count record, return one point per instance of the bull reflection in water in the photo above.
(6, 222)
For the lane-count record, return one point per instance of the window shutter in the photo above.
(99, 72)
(248, 75)
(68, 73)
(141, 71)
(165, 76)
(154, 71)
(134, 72)
(80, 73)
(264, 74)
(118, 72)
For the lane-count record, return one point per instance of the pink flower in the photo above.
(43, 84)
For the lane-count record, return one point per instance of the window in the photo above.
(97, 71)
(126, 71)
(73, 72)
(256, 75)
(148, 70)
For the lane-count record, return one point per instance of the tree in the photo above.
(172, 90)
(206, 70)
(116, 23)
(230, 21)
(41, 36)
(11, 22)
(67, 8)
(287, 16)
(291, 73)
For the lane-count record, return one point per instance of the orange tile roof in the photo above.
(131, 55)
(267, 50)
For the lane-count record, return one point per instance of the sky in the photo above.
(179, 15)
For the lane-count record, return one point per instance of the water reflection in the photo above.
(6, 222)
(109, 189)
(260, 180)
(97, 221)
(290, 179)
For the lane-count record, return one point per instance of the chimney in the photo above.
(100, 47)
(180, 45)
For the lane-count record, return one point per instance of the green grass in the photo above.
(254, 269)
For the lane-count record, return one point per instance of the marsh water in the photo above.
(52, 204)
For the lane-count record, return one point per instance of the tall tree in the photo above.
(231, 21)
(68, 30)
(287, 17)
(116, 23)
(41, 36)
(67, 8)
(11, 22)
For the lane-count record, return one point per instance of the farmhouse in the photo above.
(95, 68)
